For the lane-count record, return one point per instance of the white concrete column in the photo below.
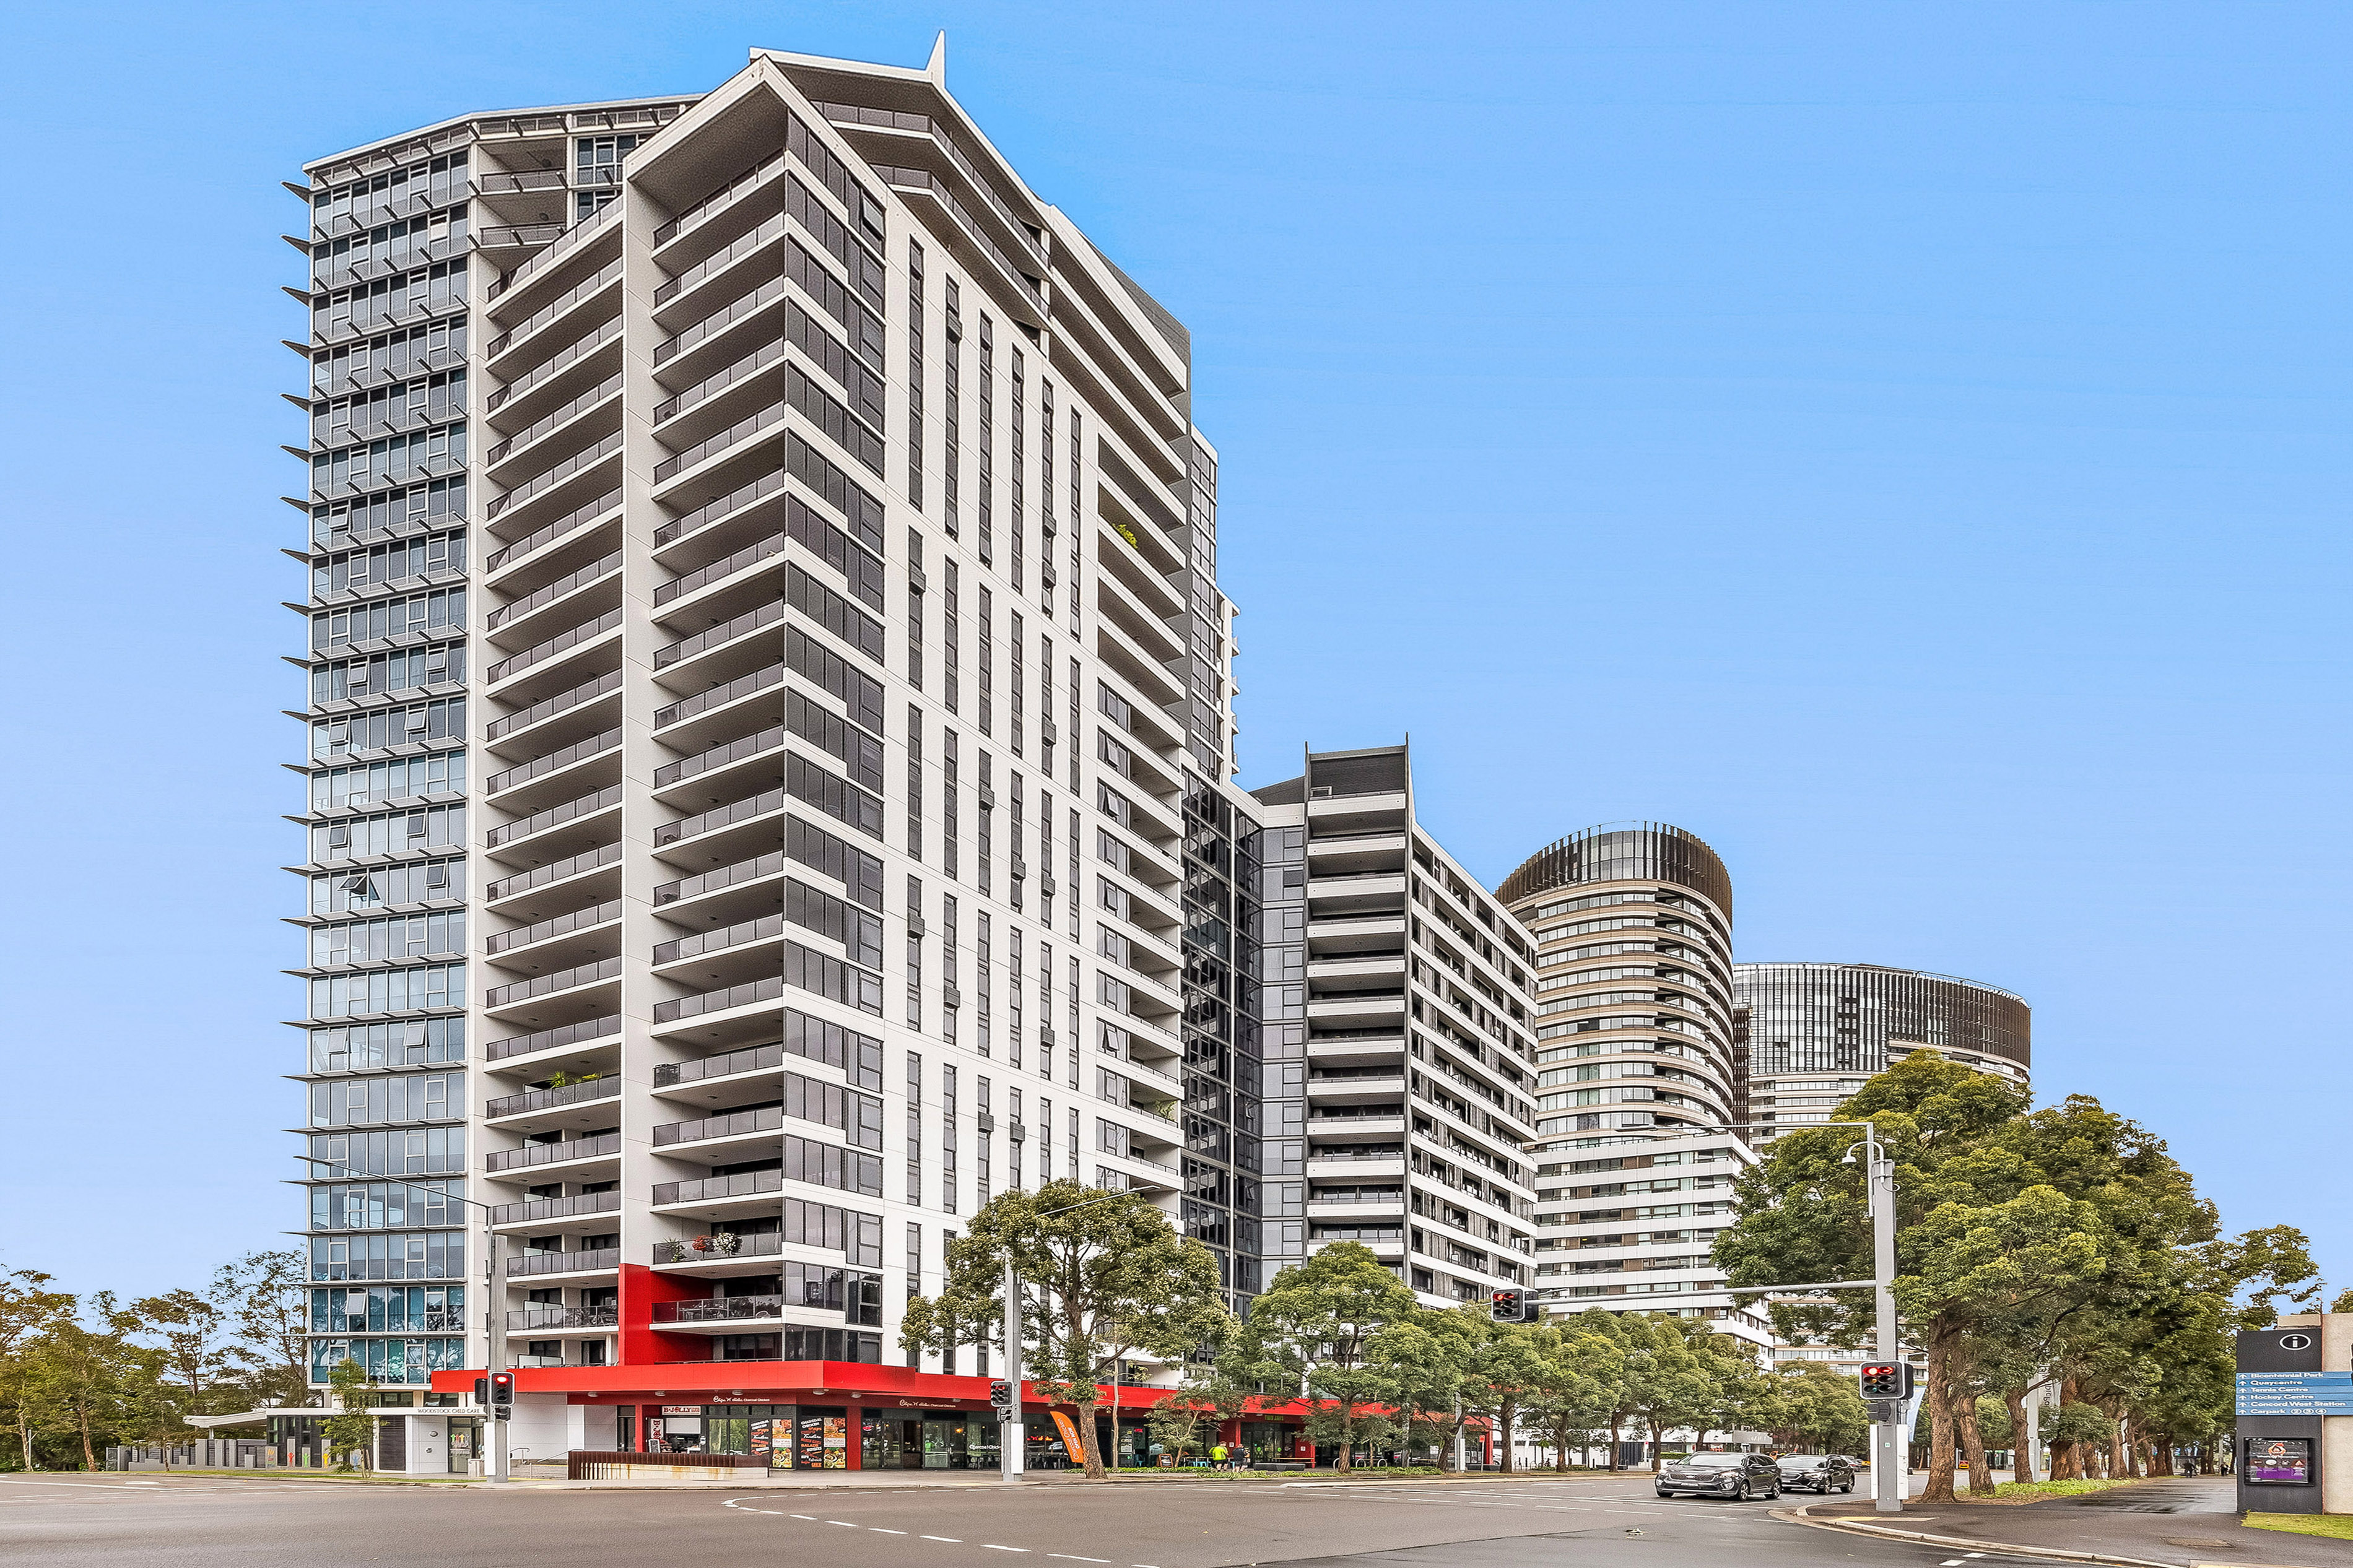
(2337, 1431)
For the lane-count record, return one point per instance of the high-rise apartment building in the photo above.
(1816, 1032)
(768, 745)
(1407, 982)
(1638, 1072)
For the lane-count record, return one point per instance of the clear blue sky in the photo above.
(1904, 445)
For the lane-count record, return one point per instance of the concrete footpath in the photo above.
(550, 1478)
(2182, 1522)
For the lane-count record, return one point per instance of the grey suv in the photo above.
(1823, 1473)
(1736, 1476)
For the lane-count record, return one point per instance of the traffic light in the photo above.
(1511, 1307)
(501, 1395)
(1885, 1381)
(1000, 1394)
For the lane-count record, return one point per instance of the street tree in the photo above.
(29, 1308)
(197, 1358)
(263, 1298)
(1312, 1329)
(1582, 1370)
(351, 1429)
(1103, 1276)
(1503, 1377)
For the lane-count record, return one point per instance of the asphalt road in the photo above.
(71, 1522)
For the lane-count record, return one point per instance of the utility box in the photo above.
(2294, 1422)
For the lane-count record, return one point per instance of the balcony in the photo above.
(549, 930)
(531, 543)
(553, 1039)
(720, 1310)
(549, 1315)
(534, 1210)
(602, 1260)
(769, 989)
(561, 643)
(720, 1247)
(549, 706)
(717, 817)
(727, 1064)
(553, 764)
(546, 315)
(532, 1100)
(688, 888)
(541, 598)
(534, 1154)
(734, 1124)
(719, 1189)
(549, 481)
(766, 928)
(549, 984)
(558, 870)
(548, 370)
(539, 822)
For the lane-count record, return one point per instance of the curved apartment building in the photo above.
(1637, 1069)
(1816, 1032)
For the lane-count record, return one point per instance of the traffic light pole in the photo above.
(494, 1251)
(1889, 1470)
(1009, 1431)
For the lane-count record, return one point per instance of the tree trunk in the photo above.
(1658, 1442)
(1613, 1445)
(2021, 1461)
(2119, 1457)
(1973, 1446)
(1090, 1445)
(1940, 1423)
(1504, 1414)
(89, 1459)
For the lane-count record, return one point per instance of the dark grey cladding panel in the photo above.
(1289, 792)
(1372, 772)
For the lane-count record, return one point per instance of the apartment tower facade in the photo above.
(1409, 982)
(769, 745)
(1816, 1032)
(1637, 1069)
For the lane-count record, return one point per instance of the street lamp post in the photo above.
(494, 1324)
(1887, 1469)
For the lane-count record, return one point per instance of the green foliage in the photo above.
(1103, 1276)
(1812, 1409)
(2065, 1239)
(1318, 1328)
(351, 1429)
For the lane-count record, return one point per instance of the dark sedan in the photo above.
(1823, 1473)
(1735, 1476)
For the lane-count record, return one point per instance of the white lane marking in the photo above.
(986, 1547)
(951, 1540)
(879, 1530)
(843, 1523)
(143, 1483)
(810, 1517)
(1069, 1558)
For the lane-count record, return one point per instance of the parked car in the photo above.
(1737, 1475)
(1823, 1473)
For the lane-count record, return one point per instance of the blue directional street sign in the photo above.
(2296, 1394)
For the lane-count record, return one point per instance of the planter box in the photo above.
(589, 1465)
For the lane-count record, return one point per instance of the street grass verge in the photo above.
(2335, 1526)
(281, 1473)
(2015, 1492)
